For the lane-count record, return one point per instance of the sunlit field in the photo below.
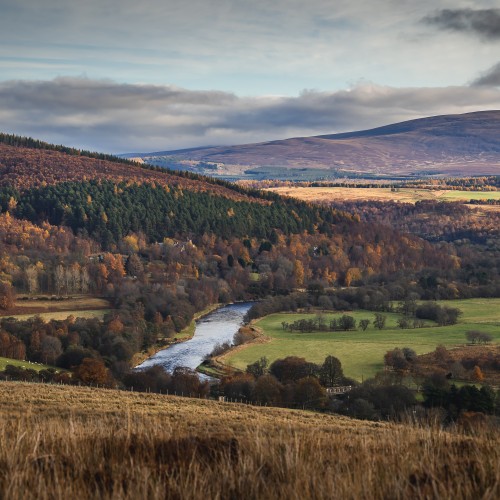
(362, 352)
(79, 306)
(407, 195)
(23, 364)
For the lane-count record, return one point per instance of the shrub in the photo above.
(476, 337)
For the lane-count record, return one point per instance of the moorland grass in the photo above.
(70, 442)
(362, 353)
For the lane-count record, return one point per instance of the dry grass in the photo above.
(83, 306)
(406, 195)
(60, 442)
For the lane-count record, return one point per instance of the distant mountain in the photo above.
(466, 144)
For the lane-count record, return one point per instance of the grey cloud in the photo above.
(490, 77)
(112, 117)
(482, 22)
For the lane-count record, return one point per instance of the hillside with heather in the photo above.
(26, 163)
(453, 145)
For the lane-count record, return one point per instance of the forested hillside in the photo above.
(34, 163)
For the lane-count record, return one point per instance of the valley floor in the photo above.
(362, 352)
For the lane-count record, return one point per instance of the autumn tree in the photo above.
(478, 374)
(396, 360)
(7, 296)
(292, 368)
(239, 386)
(309, 392)
(92, 371)
(268, 390)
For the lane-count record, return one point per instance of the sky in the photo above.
(126, 76)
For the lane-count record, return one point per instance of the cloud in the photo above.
(112, 117)
(247, 47)
(491, 77)
(482, 22)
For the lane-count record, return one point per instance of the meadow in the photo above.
(79, 306)
(24, 364)
(407, 195)
(362, 352)
(78, 442)
(62, 315)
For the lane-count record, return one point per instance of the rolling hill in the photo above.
(27, 163)
(452, 145)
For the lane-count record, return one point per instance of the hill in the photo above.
(108, 197)
(26, 163)
(453, 145)
(86, 443)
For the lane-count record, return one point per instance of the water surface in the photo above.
(215, 328)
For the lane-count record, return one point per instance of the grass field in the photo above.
(80, 306)
(23, 364)
(78, 442)
(361, 353)
(484, 311)
(408, 195)
(60, 315)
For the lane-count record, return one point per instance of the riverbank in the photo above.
(183, 336)
(218, 366)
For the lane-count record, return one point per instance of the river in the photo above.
(215, 328)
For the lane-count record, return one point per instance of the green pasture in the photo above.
(470, 195)
(485, 311)
(362, 353)
(24, 364)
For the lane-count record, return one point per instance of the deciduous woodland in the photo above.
(162, 245)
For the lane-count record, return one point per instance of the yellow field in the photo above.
(70, 442)
(81, 306)
(407, 195)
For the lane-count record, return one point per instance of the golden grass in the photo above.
(62, 315)
(406, 195)
(66, 442)
(83, 306)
